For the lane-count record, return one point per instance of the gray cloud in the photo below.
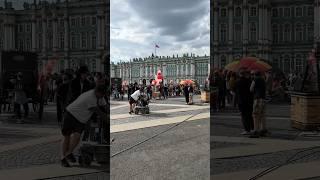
(177, 26)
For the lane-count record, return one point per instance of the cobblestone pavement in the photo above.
(278, 122)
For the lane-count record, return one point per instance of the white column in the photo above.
(230, 26)
(55, 32)
(99, 31)
(177, 70)
(316, 18)
(187, 73)
(66, 33)
(260, 30)
(103, 35)
(164, 70)
(245, 27)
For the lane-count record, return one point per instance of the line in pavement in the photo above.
(153, 123)
(123, 116)
(260, 146)
(289, 172)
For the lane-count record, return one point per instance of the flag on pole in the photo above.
(157, 46)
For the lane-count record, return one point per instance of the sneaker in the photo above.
(71, 158)
(65, 163)
(245, 133)
(255, 134)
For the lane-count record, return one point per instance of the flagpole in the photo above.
(155, 50)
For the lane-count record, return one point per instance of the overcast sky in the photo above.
(177, 26)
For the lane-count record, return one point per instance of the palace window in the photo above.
(28, 44)
(286, 66)
(21, 28)
(93, 40)
(28, 28)
(287, 33)
(21, 45)
(61, 40)
(280, 12)
(83, 21)
(223, 12)
(310, 32)
(287, 12)
(299, 12)
(299, 64)
(275, 12)
(83, 40)
(223, 32)
(280, 32)
(73, 41)
(94, 20)
(73, 22)
(310, 11)
(238, 12)
(253, 32)
(253, 11)
(238, 32)
(223, 61)
(299, 32)
(275, 33)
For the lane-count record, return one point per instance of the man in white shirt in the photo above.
(77, 114)
(134, 98)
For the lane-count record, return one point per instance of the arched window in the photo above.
(299, 32)
(223, 32)
(238, 12)
(287, 33)
(223, 61)
(275, 33)
(253, 32)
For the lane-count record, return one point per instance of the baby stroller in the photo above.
(142, 105)
(95, 147)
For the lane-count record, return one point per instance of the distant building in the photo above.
(173, 68)
(73, 32)
(282, 32)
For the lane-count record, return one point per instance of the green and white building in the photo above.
(173, 68)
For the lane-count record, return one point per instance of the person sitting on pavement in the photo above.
(77, 114)
(134, 98)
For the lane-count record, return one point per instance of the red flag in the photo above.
(157, 46)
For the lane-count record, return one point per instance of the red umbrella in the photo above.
(249, 63)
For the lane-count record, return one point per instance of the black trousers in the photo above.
(187, 98)
(247, 119)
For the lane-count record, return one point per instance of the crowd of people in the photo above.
(247, 91)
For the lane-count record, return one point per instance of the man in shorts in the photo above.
(134, 98)
(258, 87)
(77, 114)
